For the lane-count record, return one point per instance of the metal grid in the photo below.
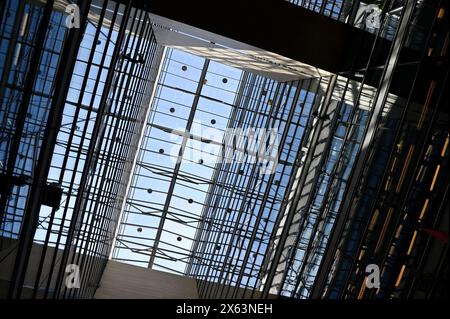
(391, 235)
(375, 208)
(300, 262)
(316, 226)
(25, 99)
(95, 140)
(238, 228)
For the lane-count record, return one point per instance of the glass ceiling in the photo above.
(173, 170)
(196, 206)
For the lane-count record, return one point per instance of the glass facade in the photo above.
(107, 94)
(319, 219)
(114, 147)
(20, 53)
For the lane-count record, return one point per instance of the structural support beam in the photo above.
(280, 26)
(280, 34)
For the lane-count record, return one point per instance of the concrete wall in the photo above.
(132, 282)
(7, 260)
